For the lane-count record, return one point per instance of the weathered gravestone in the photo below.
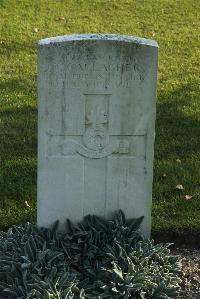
(96, 127)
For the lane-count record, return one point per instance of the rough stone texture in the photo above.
(96, 127)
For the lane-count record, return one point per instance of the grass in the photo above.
(174, 24)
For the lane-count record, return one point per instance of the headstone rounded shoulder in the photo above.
(95, 126)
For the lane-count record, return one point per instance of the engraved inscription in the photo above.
(94, 67)
(103, 72)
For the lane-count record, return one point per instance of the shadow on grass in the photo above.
(18, 144)
(3, 3)
(18, 132)
(177, 124)
(21, 87)
(9, 46)
(177, 137)
(18, 154)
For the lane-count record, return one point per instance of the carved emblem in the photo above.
(96, 136)
(96, 141)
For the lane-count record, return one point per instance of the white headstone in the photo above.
(96, 127)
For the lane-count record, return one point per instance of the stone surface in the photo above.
(96, 127)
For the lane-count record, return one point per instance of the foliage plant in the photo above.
(94, 259)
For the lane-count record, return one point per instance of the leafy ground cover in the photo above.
(174, 24)
(95, 259)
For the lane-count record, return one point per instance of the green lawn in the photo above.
(174, 24)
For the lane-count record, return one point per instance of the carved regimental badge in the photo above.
(96, 141)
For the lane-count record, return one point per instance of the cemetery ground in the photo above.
(176, 189)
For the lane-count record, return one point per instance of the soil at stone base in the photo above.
(190, 259)
(187, 247)
(182, 240)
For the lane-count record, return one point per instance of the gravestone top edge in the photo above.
(99, 36)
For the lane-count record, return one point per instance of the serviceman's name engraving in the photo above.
(94, 74)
